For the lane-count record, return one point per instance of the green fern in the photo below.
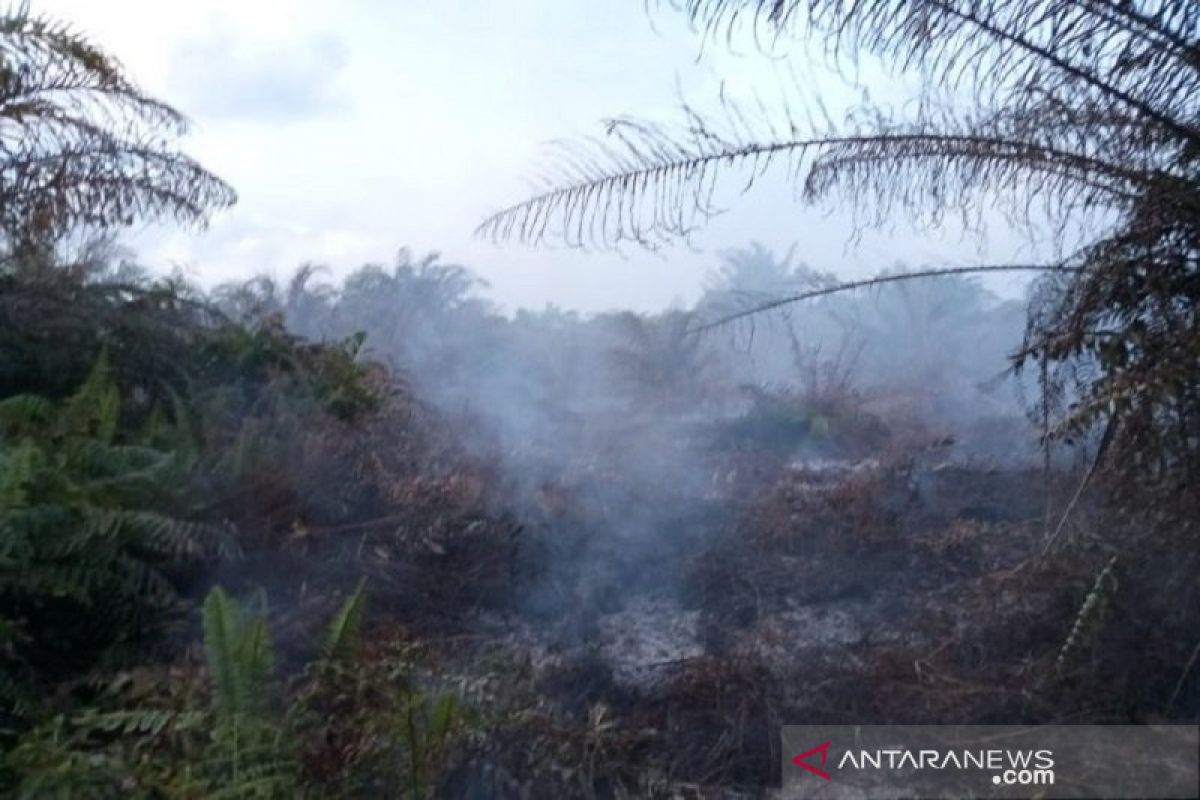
(100, 753)
(95, 409)
(52, 762)
(344, 634)
(138, 721)
(24, 412)
(249, 754)
(148, 740)
(239, 655)
(425, 726)
(85, 525)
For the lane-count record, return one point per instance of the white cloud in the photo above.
(222, 77)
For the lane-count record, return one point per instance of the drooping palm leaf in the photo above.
(81, 144)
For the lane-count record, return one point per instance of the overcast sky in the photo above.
(352, 128)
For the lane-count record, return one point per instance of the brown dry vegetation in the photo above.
(888, 589)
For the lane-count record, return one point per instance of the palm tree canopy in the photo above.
(81, 145)
(1083, 105)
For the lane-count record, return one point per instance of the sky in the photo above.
(351, 129)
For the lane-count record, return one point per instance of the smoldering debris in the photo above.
(648, 639)
(643, 550)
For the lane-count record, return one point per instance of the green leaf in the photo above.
(345, 629)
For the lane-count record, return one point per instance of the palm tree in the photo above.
(1076, 111)
(81, 146)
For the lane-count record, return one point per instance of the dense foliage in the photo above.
(133, 420)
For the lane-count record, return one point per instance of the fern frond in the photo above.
(95, 408)
(136, 722)
(176, 539)
(19, 468)
(22, 412)
(256, 660)
(238, 655)
(222, 624)
(343, 635)
(123, 467)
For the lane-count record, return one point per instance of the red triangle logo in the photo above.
(823, 749)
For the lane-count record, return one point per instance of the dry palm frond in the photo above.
(848, 286)
(1137, 58)
(81, 144)
(1083, 106)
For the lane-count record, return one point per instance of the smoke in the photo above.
(622, 439)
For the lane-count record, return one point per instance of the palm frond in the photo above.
(879, 280)
(344, 633)
(1138, 57)
(81, 144)
(650, 184)
(1077, 107)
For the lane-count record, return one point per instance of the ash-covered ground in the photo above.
(648, 641)
(634, 551)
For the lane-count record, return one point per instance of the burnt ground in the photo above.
(842, 591)
(616, 635)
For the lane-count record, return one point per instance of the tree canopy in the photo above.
(81, 145)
